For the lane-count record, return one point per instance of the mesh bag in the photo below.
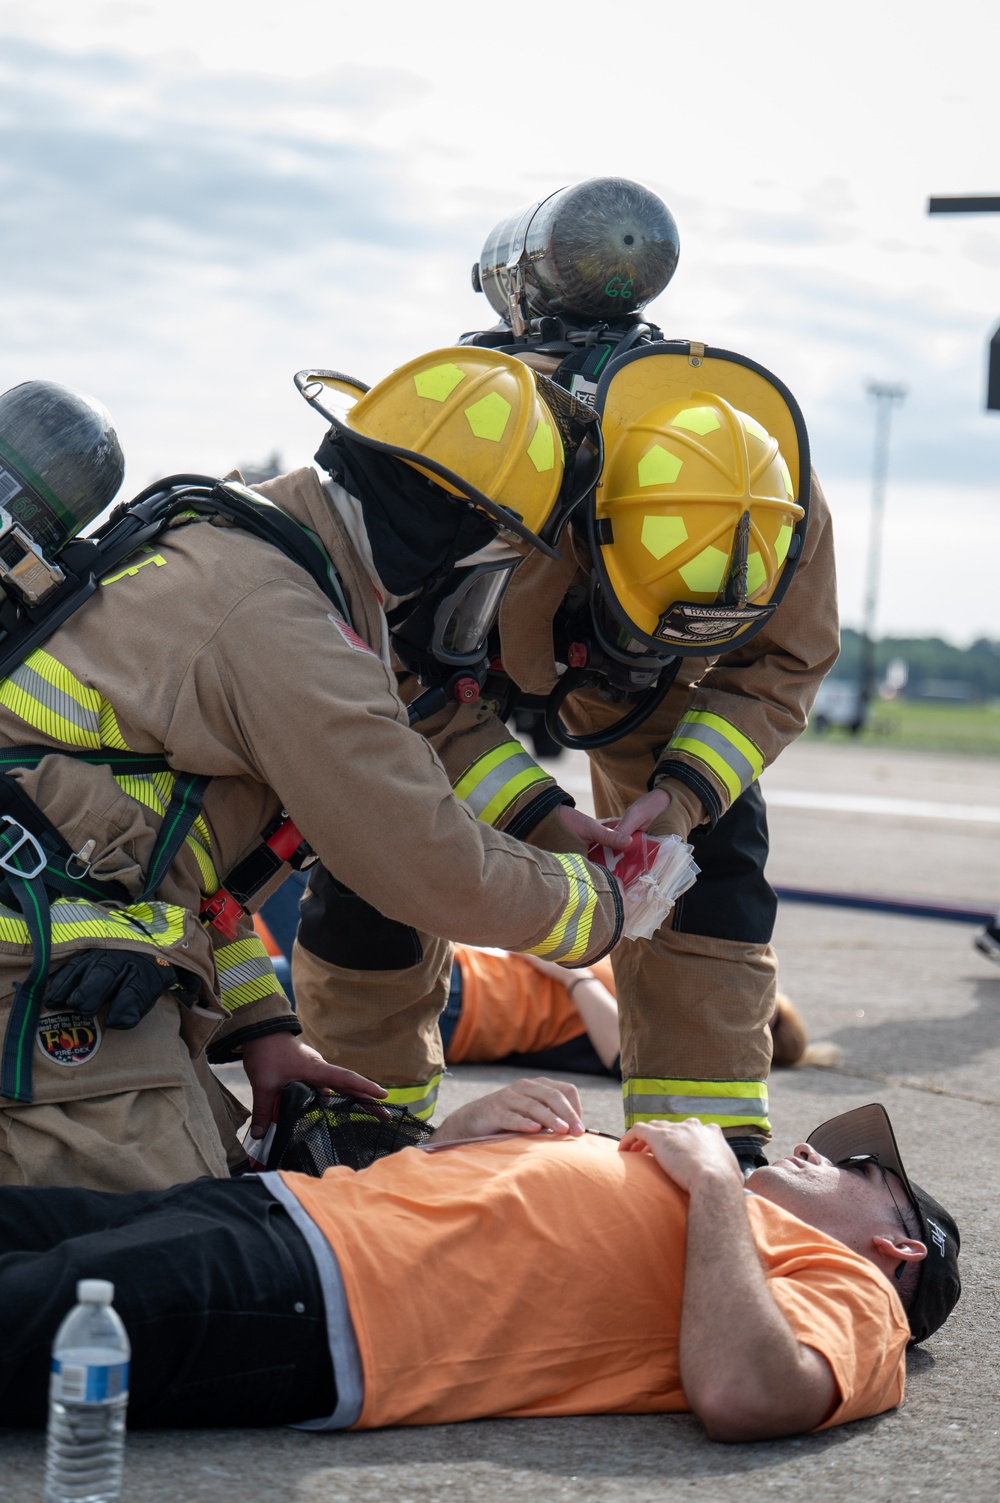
(315, 1130)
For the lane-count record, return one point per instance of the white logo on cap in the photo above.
(937, 1236)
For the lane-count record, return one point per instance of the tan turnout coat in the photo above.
(216, 650)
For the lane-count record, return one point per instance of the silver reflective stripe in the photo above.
(580, 895)
(425, 1103)
(494, 781)
(693, 730)
(55, 700)
(245, 970)
(698, 1106)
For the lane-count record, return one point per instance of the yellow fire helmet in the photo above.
(485, 427)
(700, 513)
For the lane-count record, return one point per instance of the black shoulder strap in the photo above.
(86, 561)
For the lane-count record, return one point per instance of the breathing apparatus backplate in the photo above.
(656, 374)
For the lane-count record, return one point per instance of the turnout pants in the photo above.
(216, 1287)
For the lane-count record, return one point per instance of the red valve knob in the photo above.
(467, 690)
(577, 655)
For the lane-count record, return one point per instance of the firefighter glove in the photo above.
(127, 982)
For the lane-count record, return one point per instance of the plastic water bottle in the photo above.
(88, 1393)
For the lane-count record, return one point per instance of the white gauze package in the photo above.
(654, 872)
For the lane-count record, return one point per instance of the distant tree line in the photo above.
(931, 663)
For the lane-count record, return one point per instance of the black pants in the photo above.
(214, 1283)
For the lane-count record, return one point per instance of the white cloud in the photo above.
(198, 200)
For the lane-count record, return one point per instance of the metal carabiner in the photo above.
(26, 839)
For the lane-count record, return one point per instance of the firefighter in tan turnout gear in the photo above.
(221, 696)
(679, 640)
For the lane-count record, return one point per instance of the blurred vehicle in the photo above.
(838, 705)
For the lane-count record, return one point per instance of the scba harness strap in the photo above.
(36, 862)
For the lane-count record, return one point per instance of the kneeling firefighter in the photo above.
(679, 639)
(191, 698)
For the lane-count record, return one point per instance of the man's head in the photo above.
(848, 1181)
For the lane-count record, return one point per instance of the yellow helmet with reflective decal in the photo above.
(483, 426)
(697, 521)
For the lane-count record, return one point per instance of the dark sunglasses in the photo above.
(859, 1161)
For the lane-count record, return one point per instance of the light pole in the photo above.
(884, 396)
(977, 203)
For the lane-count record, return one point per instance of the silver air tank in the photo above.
(60, 465)
(596, 251)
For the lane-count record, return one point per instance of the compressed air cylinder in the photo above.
(596, 251)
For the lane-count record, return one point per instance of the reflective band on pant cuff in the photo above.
(419, 1100)
(728, 1103)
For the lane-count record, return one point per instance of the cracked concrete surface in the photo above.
(915, 1012)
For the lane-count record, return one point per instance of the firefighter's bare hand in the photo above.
(277, 1058)
(640, 815)
(590, 830)
(525, 1106)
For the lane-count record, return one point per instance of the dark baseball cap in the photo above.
(867, 1130)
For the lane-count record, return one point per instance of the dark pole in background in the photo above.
(884, 396)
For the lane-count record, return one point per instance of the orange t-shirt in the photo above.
(510, 1008)
(543, 1276)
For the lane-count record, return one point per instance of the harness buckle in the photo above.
(29, 840)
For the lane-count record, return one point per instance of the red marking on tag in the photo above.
(350, 636)
(636, 859)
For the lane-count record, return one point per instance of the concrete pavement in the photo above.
(916, 1013)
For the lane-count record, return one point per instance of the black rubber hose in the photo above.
(582, 678)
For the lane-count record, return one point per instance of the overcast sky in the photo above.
(198, 201)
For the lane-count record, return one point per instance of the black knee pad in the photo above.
(732, 898)
(339, 927)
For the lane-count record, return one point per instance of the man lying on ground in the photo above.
(549, 1271)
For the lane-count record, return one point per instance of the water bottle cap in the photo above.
(95, 1292)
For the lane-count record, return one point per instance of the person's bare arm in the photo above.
(597, 1007)
(745, 1374)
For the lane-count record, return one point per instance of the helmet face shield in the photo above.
(700, 514)
(463, 618)
(481, 425)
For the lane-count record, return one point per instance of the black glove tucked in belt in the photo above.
(128, 982)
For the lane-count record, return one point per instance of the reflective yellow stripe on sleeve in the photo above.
(48, 697)
(570, 939)
(729, 1103)
(76, 918)
(51, 699)
(496, 780)
(419, 1100)
(734, 759)
(245, 973)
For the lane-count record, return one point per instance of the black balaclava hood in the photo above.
(416, 530)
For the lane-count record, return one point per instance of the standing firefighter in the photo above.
(178, 690)
(679, 640)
